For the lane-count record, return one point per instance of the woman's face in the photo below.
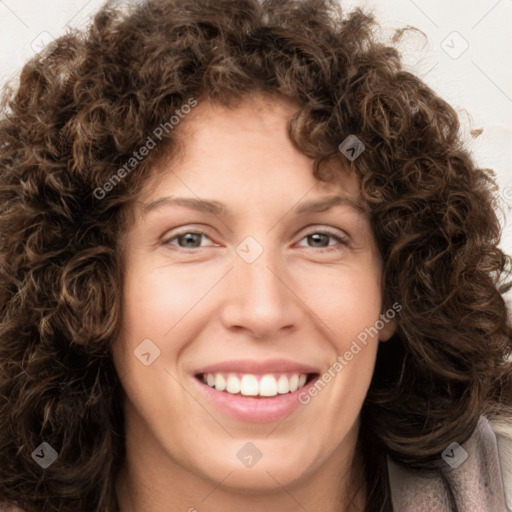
(274, 292)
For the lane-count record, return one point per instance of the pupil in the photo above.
(315, 238)
(190, 237)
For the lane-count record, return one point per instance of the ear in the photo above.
(387, 322)
(388, 330)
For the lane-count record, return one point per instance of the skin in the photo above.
(202, 303)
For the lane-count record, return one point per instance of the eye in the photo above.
(320, 239)
(187, 239)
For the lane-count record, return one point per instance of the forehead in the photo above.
(247, 149)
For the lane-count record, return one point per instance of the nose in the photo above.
(261, 299)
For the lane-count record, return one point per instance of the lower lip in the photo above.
(256, 410)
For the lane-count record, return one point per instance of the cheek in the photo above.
(165, 304)
(158, 298)
(348, 303)
(349, 308)
(155, 322)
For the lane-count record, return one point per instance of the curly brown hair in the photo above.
(84, 106)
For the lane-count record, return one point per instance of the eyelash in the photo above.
(343, 241)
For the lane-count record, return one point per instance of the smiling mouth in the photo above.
(256, 386)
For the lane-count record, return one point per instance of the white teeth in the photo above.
(268, 386)
(282, 384)
(252, 385)
(220, 382)
(233, 384)
(249, 385)
(294, 382)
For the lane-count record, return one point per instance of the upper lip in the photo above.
(252, 366)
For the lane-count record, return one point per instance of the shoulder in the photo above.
(502, 428)
(478, 471)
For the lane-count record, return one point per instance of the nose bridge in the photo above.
(259, 299)
(260, 278)
(262, 275)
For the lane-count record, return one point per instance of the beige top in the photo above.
(477, 476)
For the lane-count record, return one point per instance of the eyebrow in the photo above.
(326, 203)
(201, 205)
(220, 209)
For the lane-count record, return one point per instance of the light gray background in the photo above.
(477, 80)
